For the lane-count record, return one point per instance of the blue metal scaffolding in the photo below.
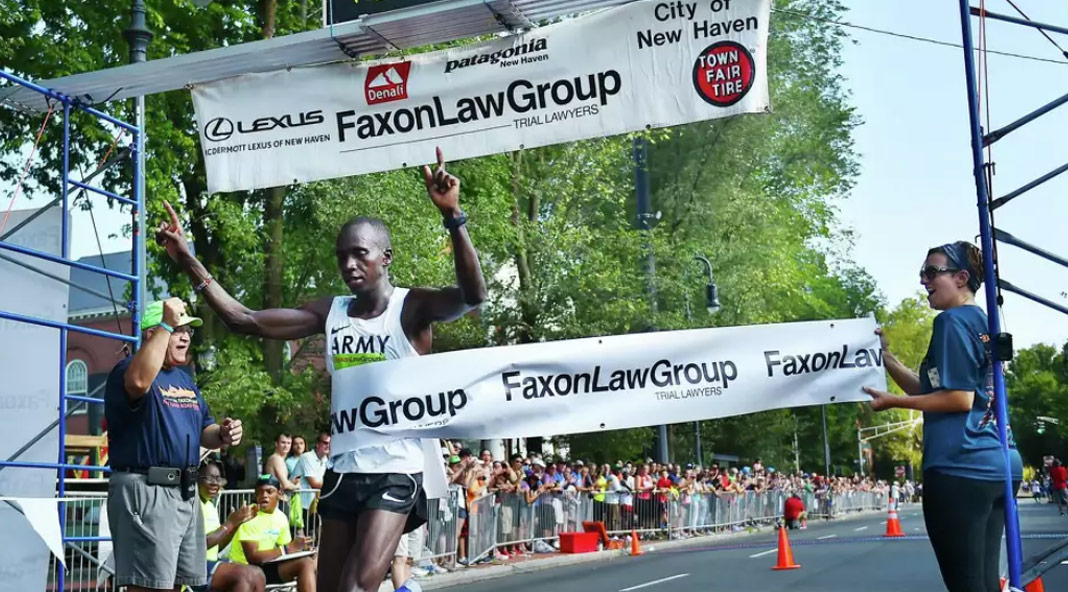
(1001, 343)
(136, 277)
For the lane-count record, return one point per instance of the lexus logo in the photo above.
(219, 129)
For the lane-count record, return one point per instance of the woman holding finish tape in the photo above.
(963, 462)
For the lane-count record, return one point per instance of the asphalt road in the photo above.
(848, 555)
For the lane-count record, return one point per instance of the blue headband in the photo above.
(958, 256)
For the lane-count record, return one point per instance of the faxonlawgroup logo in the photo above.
(219, 129)
(386, 82)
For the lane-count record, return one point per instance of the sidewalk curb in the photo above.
(477, 574)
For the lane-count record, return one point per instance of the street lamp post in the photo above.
(138, 36)
(711, 305)
(643, 201)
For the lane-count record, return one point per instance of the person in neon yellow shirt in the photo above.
(224, 576)
(600, 486)
(265, 541)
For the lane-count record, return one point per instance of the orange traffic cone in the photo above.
(635, 546)
(893, 525)
(1035, 586)
(786, 555)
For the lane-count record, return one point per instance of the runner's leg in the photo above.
(377, 535)
(336, 539)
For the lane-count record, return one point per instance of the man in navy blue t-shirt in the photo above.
(157, 421)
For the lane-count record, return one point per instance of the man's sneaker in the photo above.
(501, 557)
(436, 570)
(462, 561)
(418, 572)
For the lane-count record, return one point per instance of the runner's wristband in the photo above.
(204, 284)
(165, 327)
(454, 223)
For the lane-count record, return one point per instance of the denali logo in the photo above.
(531, 46)
(386, 82)
(221, 128)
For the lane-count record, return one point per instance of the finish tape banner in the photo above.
(604, 383)
(642, 65)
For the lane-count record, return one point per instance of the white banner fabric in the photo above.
(43, 516)
(642, 65)
(29, 390)
(605, 383)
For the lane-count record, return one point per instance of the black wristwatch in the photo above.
(455, 222)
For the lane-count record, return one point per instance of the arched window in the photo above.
(78, 381)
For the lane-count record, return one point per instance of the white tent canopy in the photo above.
(436, 22)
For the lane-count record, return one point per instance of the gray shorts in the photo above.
(159, 537)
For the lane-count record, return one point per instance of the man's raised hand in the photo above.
(171, 236)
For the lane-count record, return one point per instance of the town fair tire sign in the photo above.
(643, 65)
(723, 73)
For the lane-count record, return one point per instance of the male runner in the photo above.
(368, 493)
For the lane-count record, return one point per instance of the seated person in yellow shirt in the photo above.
(265, 541)
(224, 576)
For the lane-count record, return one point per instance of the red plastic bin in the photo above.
(578, 542)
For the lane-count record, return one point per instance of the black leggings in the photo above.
(965, 520)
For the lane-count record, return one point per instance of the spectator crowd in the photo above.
(533, 492)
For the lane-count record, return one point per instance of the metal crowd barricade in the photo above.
(496, 520)
(442, 530)
(481, 527)
(86, 556)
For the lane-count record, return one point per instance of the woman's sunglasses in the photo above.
(929, 272)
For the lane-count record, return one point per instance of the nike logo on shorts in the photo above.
(389, 498)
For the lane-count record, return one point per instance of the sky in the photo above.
(915, 188)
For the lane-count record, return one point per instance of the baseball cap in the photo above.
(153, 316)
(268, 479)
(538, 463)
(454, 459)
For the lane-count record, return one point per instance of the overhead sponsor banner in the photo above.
(602, 383)
(341, 11)
(642, 65)
(29, 395)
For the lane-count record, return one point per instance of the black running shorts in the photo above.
(346, 495)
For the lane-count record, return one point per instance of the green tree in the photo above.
(554, 225)
(908, 329)
(1037, 385)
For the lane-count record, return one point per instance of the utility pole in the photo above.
(644, 210)
(697, 438)
(826, 444)
(797, 449)
(138, 36)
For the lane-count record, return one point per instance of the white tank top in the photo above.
(353, 342)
